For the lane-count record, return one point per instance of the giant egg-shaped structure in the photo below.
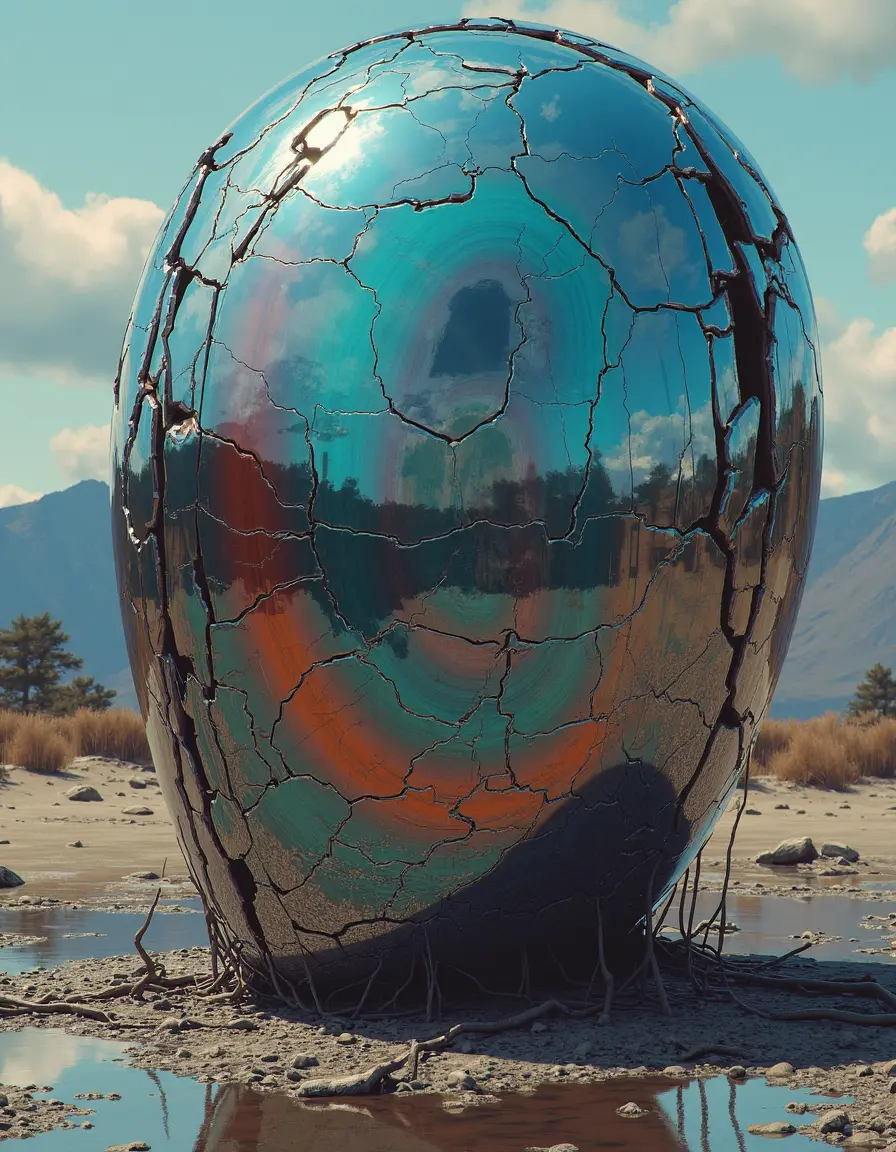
(466, 459)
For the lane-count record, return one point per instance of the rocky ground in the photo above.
(283, 1051)
(68, 851)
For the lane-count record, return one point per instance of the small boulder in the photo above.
(631, 1109)
(461, 1080)
(137, 782)
(10, 879)
(800, 850)
(784, 1068)
(137, 810)
(834, 1121)
(83, 792)
(775, 1128)
(737, 1072)
(840, 852)
(304, 1060)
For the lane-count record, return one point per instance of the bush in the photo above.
(117, 732)
(39, 744)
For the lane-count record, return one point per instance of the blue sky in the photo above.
(108, 105)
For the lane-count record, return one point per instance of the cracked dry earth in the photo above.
(419, 634)
(278, 1050)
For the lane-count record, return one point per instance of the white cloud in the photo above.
(82, 453)
(67, 277)
(12, 494)
(880, 244)
(816, 40)
(859, 365)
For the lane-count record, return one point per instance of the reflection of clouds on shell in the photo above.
(454, 607)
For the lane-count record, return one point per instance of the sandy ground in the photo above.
(40, 824)
(863, 818)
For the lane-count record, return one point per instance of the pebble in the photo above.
(75, 844)
(137, 810)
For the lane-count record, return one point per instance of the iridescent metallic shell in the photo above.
(466, 459)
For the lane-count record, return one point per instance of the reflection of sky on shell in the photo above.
(471, 402)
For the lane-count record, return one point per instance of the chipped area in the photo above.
(467, 449)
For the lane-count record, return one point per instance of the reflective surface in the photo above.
(181, 1115)
(466, 456)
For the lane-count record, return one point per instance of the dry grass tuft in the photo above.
(40, 744)
(117, 732)
(828, 751)
(9, 723)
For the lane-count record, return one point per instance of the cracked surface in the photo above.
(466, 456)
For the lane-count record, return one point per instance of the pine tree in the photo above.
(32, 660)
(82, 692)
(876, 693)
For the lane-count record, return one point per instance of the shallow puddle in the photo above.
(768, 924)
(182, 1115)
(81, 933)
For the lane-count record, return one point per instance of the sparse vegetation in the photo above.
(828, 751)
(39, 744)
(46, 743)
(115, 732)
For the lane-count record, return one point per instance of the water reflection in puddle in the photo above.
(110, 934)
(768, 924)
(182, 1115)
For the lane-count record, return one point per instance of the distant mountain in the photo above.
(56, 556)
(847, 620)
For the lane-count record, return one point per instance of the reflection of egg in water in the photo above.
(483, 511)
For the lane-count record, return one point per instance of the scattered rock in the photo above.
(241, 1024)
(142, 876)
(775, 1128)
(83, 792)
(137, 810)
(752, 812)
(674, 1070)
(137, 782)
(75, 844)
(782, 1069)
(864, 1140)
(304, 1060)
(797, 1107)
(840, 852)
(631, 1109)
(800, 850)
(345, 1038)
(782, 807)
(134, 1146)
(864, 1070)
(737, 1072)
(10, 879)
